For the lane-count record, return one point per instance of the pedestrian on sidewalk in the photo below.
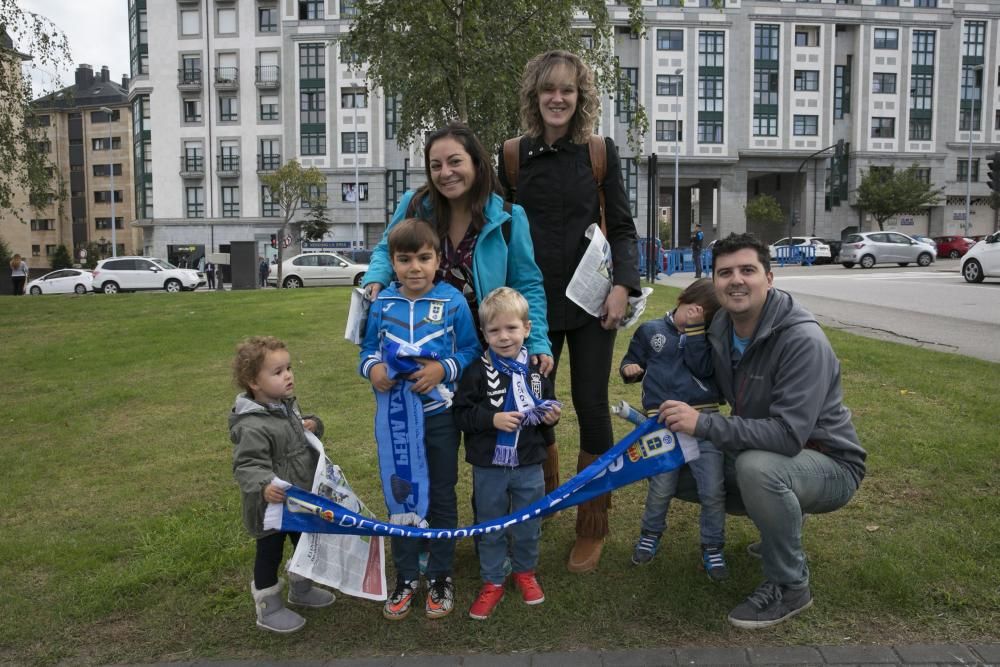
(696, 240)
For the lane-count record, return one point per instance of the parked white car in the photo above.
(823, 255)
(871, 248)
(315, 269)
(128, 274)
(62, 281)
(982, 260)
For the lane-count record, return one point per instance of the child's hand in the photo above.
(552, 416)
(632, 371)
(380, 379)
(429, 376)
(507, 421)
(696, 314)
(274, 493)
(309, 425)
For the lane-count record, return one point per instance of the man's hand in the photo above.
(507, 421)
(309, 425)
(545, 363)
(678, 416)
(274, 493)
(429, 376)
(379, 377)
(632, 371)
(614, 307)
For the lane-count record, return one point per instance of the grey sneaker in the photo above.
(646, 547)
(769, 605)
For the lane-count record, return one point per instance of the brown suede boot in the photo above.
(591, 527)
(551, 468)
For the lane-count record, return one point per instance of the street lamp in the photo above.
(968, 165)
(111, 166)
(677, 155)
(357, 186)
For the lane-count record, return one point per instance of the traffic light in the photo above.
(993, 172)
(274, 240)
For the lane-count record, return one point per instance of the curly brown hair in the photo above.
(588, 103)
(250, 356)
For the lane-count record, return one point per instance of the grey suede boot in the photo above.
(271, 612)
(301, 592)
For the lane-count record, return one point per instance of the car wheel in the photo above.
(867, 262)
(972, 272)
(925, 259)
(36, 290)
(847, 265)
(110, 287)
(357, 279)
(80, 289)
(292, 282)
(954, 254)
(172, 285)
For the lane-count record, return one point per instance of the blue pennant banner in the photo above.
(648, 450)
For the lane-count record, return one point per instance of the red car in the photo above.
(953, 246)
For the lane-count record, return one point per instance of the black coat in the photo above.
(555, 185)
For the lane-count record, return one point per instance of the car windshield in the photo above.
(163, 264)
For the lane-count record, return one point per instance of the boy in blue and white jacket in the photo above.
(672, 357)
(435, 318)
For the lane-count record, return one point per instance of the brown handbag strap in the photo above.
(512, 163)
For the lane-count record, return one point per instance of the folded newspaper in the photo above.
(591, 282)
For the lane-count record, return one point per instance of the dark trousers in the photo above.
(210, 277)
(17, 285)
(591, 348)
(696, 258)
(270, 549)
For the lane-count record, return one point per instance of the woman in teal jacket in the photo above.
(483, 244)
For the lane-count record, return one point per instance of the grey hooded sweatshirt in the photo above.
(785, 391)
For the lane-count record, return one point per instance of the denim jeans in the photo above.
(498, 492)
(707, 472)
(776, 491)
(441, 439)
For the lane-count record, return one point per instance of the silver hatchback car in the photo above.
(871, 248)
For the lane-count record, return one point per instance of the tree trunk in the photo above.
(281, 248)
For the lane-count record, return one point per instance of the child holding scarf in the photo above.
(503, 405)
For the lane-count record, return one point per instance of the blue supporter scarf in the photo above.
(517, 398)
(650, 449)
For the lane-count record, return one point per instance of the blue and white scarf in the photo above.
(517, 398)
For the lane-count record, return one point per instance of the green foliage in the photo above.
(763, 210)
(464, 58)
(61, 258)
(291, 188)
(885, 193)
(316, 224)
(5, 253)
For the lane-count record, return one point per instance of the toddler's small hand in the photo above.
(309, 425)
(507, 421)
(632, 371)
(552, 416)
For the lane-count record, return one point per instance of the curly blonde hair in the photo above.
(588, 103)
(250, 356)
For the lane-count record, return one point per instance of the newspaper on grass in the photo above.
(591, 282)
(354, 565)
(357, 316)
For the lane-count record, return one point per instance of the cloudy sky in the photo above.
(97, 31)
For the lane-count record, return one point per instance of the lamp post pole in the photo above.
(677, 157)
(968, 165)
(111, 167)
(357, 186)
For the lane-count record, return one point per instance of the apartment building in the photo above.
(225, 91)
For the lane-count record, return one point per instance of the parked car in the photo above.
(982, 260)
(128, 274)
(927, 241)
(953, 246)
(871, 248)
(823, 255)
(63, 281)
(314, 269)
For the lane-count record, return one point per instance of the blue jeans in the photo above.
(441, 439)
(707, 472)
(498, 492)
(776, 491)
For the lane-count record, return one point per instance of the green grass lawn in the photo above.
(120, 538)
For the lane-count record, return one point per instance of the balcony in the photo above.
(192, 166)
(267, 77)
(227, 78)
(229, 165)
(268, 162)
(189, 79)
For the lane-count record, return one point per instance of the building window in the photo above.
(711, 49)
(106, 169)
(313, 143)
(765, 124)
(392, 118)
(923, 48)
(104, 196)
(996, 122)
(842, 89)
(963, 170)
(192, 111)
(630, 177)
(887, 3)
(101, 143)
(310, 10)
(925, 3)
(710, 93)
(229, 108)
(923, 174)
(43, 146)
(347, 144)
(627, 100)
(921, 91)
(665, 130)
(765, 86)
(312, 61)
(805, 126)
(269, 107)
(884, 83)
(670, 40)
(670, 85)
(50, 249)
(709, 131)
(765, 42)
(225, 21)
(806, 79)
(267, 19)
(353, 98)
(268, 207)
(190, 22)
(973, 39)
(348, 8)
(102, 116)
(971, 111)
(883, 127)
(195, 200)
(312, 105)
(36, 250)
(42, 120)
(886, 38)
(806, 35)
(230, 201)
(669, 3)
(105, 223)
(43, 225)
(920, 129)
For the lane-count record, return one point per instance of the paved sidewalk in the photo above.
(925, 655)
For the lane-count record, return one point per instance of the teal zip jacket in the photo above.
(495, 263)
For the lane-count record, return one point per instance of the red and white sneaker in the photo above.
(531, 591)
(489, 597)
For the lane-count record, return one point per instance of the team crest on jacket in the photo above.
(657, 342)
(436, 311)
(536, 384)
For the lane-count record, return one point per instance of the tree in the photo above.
(291, 188)
(884, 193)
(316, 224)
(61, 258)
(25, 37)
(763, 211)
(464, 58)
